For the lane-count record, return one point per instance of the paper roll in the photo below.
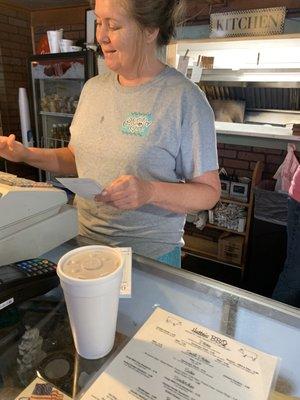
(27, 138)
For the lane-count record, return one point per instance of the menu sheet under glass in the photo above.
(173, 358)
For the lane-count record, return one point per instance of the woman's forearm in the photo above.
(60, 161)
(129, 192)
(185, 197)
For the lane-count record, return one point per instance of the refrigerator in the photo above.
(56, 83)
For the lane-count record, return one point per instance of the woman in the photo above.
(143, 131)
(287, 289)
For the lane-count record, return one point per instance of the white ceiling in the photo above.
(42, 4)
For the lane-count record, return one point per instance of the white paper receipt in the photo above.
(171, 358)
(83, 187)
(125, 290)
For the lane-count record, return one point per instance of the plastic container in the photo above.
(270, 206)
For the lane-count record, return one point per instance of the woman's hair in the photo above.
(162, 14)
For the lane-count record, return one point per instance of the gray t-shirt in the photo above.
(160, 131)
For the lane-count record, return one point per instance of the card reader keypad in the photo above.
(14, 180)
(36, 266)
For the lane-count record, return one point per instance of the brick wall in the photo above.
(3, 105)
(240, 160)
(16, 46)
(15, 39)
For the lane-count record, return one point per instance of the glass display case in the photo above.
(36, 340)
(57, 80)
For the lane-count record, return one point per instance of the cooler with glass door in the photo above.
(57, 80)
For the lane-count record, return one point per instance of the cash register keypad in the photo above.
(14, 180)
(36, 266)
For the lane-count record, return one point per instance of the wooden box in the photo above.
(201, 245)
(230, 248)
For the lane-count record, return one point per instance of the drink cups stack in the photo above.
(27, 138)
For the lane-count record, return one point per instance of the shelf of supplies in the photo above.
(210, 243)
(56, 114)
(221, 228)
(228, 200)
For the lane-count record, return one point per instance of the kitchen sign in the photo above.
(262, 21)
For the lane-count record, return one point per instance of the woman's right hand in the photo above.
(12, 150)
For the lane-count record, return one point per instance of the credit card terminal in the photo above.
(26, 279)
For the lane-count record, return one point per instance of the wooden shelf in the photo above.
(56, 114)
(209, 256)
(221, 228)
(211, 233)
(228, 200)
(226, 249)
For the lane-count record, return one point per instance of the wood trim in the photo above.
(195, 15)
(246, 5)
(63, 16)
(256, 178)
(171, 52)
(287, 36)
(7, 3)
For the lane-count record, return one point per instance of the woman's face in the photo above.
(117, 35)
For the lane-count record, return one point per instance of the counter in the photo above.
(265, 141)
(46, 347)
(266, 136)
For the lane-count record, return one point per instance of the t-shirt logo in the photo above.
(137, 123)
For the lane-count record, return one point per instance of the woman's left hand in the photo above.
(127, 193)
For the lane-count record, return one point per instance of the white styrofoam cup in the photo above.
(54, 38)
(92, 306)
(65, 45)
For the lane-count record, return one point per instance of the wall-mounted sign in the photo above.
(262, 21)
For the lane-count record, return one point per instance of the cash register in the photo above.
(34, 218)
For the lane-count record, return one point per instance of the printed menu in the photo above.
(171, 358)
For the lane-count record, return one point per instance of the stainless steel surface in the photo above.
(265, 91)
(260, 96)
(251, 75)
(250, 84)
(275, 117)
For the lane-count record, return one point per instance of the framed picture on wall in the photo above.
(90, 27)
